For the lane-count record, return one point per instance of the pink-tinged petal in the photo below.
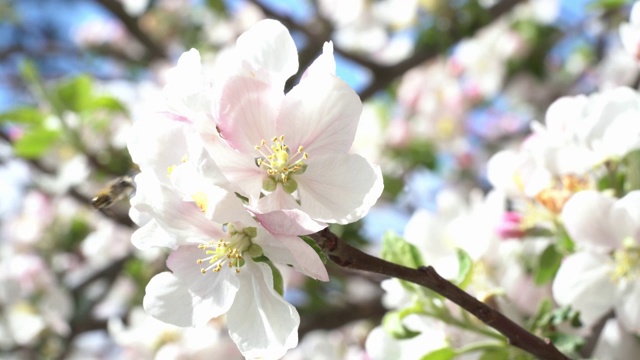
(292, 250)
(586, 218)
(625, 217)
(153, 235)
(289, 222)
(277, 200)
(280, 214)
(583, 281)
(340, 188)
(239, 168)
(268, 51)
(628, 305)
(261, 323)
(324, 64)
(247, 112)
(321, 114)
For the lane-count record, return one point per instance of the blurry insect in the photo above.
(115, 190)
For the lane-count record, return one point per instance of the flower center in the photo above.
(627, 262)
(279, 164)
(229, 253)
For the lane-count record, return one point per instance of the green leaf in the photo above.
(34, 143)
(397, 250)
(107, 103)
(315, 248)
(23, 115)
(465, 269)
(548, 264)
(440, 354)
(278, 282)
(392, 325)
(76, 94)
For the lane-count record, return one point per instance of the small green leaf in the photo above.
(23, 115)
(34, 143)
(465, 269)
(397, 250)
(217, 6)
(495, 354)
(446, 353)
(392, 325)
(29, 72)
(548, 264)
(315, 248)
(76, 94)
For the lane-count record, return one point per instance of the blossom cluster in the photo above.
(233, 173)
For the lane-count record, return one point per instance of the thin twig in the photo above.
(347, 256)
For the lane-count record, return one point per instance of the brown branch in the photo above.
(347, 256)
(154, 50)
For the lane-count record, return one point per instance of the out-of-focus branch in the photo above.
(337, 316)
(154, 49)
(347, 256)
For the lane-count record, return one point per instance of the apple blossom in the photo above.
(297, 142)
(604, 273)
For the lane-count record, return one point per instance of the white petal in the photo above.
(324, 64)
(583, 281)
(586, 218)
(267, 45)
(615, 343)
(628, 306)
(148, 140)
(321, 114)
(187, 297)
(152, 235)
(339, 188)
(261, 323)
(625, 216)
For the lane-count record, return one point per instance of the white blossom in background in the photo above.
(381, 346)
(144, 337)
(630, 32)
(456, 224)
(604, 273)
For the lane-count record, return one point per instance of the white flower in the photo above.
(604, 273)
